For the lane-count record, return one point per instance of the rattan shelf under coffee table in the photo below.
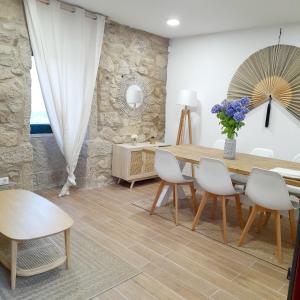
(27, 221)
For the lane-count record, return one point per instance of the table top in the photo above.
(25, 215)
(141, 145)
(242, 164)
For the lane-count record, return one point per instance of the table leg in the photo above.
(165, 195)
(68, 247)
(13, 267)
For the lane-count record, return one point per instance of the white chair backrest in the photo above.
(167, 167)
(263, 152)
(219, 144)
(268, 189)
(297, 158)
(212, 175)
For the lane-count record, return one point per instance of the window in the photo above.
(39, 121)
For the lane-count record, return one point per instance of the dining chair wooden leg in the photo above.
(161, 185)
(200, 209)
(193, 198)
(261, 221)
(173, 188)
(278, 236)
(239, 211)
(292, 224)
(249, 212)
(176, 203)
(214, 207)
(224, 219)
(268, 215)
(248, 225)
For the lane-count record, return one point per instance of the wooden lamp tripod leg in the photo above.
(180, 129)
(190, 127)
(185, 113)
(190, 136)
(183, 128)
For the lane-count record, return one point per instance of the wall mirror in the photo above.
(134, 96)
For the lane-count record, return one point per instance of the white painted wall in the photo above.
(206, 64)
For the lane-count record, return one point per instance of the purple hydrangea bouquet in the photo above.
(232, 114)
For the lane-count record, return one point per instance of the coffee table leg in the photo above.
(68, 247)
(13, 267)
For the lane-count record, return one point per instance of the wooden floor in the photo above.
(176, 263)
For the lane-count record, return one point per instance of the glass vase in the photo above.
(229, 149)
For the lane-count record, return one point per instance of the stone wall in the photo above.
(15, 64)
(36, 162)
(126, 52)
(49, 165)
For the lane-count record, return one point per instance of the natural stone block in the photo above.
(99, 147)
(105, 163)
(8, 56)
(111, 119)
(123, 68)
(16, 155)
(142, 70)
(8, 139)
(147, 62)
(107, 63)
(5, 73)
(161, 61)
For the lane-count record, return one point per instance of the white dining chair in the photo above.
(219, 144)
(168, 169)
(293, 189)
(213, 177)
(264, 152)
(296, 158)
(269, 194)
(240, 179)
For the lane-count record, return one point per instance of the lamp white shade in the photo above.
(188, 98)
(134, 94)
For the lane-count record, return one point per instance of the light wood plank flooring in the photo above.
(176, 263)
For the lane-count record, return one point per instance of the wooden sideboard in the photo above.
(131, 163)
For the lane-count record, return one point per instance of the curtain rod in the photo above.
(72, 8)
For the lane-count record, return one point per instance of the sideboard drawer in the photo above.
(131, 163)
(136, 163)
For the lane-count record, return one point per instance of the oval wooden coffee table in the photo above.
(26, 216)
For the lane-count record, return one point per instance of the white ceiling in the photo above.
(196, 16)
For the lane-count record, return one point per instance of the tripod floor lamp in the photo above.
(188, 99)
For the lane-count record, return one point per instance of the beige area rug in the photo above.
(260, 245)
(93, 271)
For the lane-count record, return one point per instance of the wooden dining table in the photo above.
(242, 164)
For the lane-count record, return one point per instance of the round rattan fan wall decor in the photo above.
(273, 71)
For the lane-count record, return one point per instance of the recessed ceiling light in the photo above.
(173, 22)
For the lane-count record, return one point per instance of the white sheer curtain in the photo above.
(66, 46)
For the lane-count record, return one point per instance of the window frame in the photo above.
(40, 128)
